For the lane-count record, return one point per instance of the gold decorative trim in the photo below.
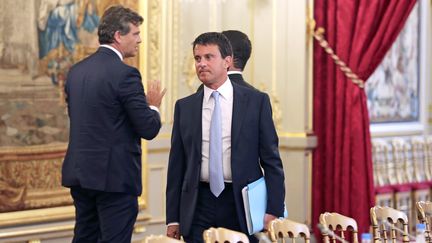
(164, 135)
(189, 72)
(295, 134)
(143, 9)
(44, 230)
(31, 177)
(143, 50)
(154, 49)
(275, 103)
(175, 60)
(37, 216)
(159, 150)
(34, 241)
(309, 71)
(138, 228)
(277, 110)
(150, 62)
(143, 199)
(13, 153)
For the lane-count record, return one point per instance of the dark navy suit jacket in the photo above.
(253, 139)
(238, 79)
(108, 117)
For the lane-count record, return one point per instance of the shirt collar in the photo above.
(225, 90)
(113, 49)
(235, 72)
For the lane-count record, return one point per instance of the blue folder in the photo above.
(255, 205)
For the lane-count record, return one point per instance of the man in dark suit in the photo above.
(109, 114)
(249, 145)
(242, 48)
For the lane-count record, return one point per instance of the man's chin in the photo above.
(130, 55)
(204, 80)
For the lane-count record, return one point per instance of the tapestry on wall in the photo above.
(40, 42)
(393, 89)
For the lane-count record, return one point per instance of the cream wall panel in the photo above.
(297, 184)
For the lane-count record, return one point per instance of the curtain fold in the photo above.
(360, 32)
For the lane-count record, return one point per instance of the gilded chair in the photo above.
(385, 224)
(161, 239)
(222, 235)
(428, 157)
(421, 189)
(424, 215)
(404, 165)
(384, 172)
(280, 229)
(335, 226)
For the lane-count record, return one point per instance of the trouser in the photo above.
(103, 216)
(214, 211)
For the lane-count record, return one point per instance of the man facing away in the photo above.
(109, 114)
(211, 162)
(242, 48)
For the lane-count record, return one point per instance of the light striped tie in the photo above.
(215, 161)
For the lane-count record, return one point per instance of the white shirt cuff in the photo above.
(154, 108)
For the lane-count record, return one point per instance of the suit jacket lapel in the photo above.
(196, 118)
(239, 108)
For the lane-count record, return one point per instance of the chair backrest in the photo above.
(222, 235)
(402, 158)
(335, 225)
(385, 224)
(285, 228)
(418, 146)
(161, 239)
(428, 157)
(424, 215)
(383, 170)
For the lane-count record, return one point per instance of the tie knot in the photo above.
(215, 95)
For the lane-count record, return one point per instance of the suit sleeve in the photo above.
(271, 161)
(145, 121)
(176, 170)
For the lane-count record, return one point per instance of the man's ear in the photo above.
(228, 61)
(117, 37)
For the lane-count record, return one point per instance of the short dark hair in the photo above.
(241, 46)
(116, 18)
(214, 38)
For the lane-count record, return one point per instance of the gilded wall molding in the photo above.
(276, 106)
(174, 60)
(8, 153)
(46, 216)
(30, 177)
(189, 73)
(37, 216)
(154, 48)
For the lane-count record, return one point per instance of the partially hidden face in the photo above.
(129, 42)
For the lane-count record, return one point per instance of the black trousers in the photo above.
(214, 211)
(103, 216)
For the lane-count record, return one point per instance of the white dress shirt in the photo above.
(235, 72)
(113, 49)
(226, 103)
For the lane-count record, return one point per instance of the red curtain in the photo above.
(360, 32)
